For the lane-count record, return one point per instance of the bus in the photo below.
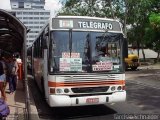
(79, 60)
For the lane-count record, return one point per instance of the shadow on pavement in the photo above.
(16, 102)
(20, 92)
(146, 98)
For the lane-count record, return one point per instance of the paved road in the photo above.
(142, 97)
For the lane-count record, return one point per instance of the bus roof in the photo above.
(87, 17)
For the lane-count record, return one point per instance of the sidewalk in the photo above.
(16, 103)
(152, 66)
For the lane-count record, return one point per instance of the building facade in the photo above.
(32, 14)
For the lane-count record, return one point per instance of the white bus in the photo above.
(79, 60)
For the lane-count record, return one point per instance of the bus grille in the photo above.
(90, 89)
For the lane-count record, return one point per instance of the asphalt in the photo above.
(17, 104)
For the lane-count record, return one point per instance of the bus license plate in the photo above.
(92, 100)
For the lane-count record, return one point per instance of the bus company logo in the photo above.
(108, 76)
(66, 23)
(71, 77)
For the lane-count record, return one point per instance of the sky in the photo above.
(53, 5)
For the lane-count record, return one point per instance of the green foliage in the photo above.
(154, 20)
(152, 32)
(81, 8)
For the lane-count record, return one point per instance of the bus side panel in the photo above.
(38, 62)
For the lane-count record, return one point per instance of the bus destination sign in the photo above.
(95, 25)
(85, 24)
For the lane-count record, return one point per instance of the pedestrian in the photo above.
(2, 78)
(7, 62)
(12, 74)
(5, 71)
(19, 62)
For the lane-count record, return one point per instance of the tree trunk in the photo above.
(144, 58)
(158, 56)
(138, 47)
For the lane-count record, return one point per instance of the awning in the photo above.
(12, 40)
(12, 33)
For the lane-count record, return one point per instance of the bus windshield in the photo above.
(85, 52)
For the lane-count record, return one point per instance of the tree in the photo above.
(81, 8)
(152, 33)
(135, 13)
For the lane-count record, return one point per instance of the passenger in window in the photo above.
(107, 54)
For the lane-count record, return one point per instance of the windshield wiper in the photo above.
(109, 38)
(103, 35)
(70, 41)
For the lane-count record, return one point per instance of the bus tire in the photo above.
(42, 86)
(134, 68)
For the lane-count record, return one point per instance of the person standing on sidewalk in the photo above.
(2, 78)
(12, 74)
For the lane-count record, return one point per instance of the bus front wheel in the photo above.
(134, 68)
(42, 88)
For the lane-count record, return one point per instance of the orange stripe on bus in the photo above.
(70, 84)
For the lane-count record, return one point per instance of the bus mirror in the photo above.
(125, 48)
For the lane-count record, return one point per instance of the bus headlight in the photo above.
(119, 88)
(113, 88)
(59, 90)
(66, 90)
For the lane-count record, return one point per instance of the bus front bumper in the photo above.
(64, 100)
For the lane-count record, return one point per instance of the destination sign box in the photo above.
(85, 24)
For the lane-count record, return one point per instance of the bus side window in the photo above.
(45, 42)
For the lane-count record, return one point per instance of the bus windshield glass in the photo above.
(85, 52)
